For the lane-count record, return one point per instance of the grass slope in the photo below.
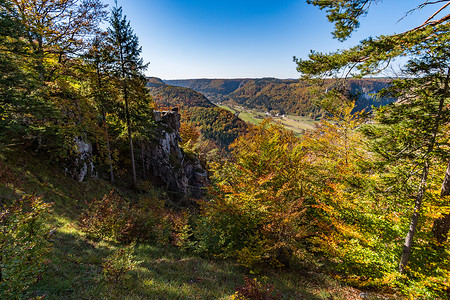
(164, 272)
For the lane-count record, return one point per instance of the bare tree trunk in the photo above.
(143, 161)
(105, 125)
(441, 226)
(414, 221)
(130, 138)
(111, 171)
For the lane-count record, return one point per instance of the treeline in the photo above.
(214, 89)
(285, 96)
(295, 97)
(173, 96)
(63, 80)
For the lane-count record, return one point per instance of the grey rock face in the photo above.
(183, 176)
(83, 165)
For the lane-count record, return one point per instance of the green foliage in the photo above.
(23, 245)
(117, 265)
(217, 124)
(345, 14)
(408, 141)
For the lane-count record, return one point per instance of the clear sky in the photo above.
(246, 38)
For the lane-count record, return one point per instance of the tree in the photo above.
(421, 44)
(128, 67)
(99, 71)
(257, 214)
(41, 53)
(58, 29)
(403, 138)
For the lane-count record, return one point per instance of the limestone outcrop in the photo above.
(182, 175)
(82, 165)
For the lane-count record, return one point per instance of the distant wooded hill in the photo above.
(288, 96)
(215, 123)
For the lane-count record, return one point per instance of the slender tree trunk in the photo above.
(108, 148)
(414, 220)
(130, 138)
(127, 113)
(143, 160)
(418, 203)
(105, 125)
(441, 225)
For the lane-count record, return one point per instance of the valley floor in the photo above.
(297, 124)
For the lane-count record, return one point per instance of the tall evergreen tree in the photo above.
(128, 66)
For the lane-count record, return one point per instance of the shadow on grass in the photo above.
(163, 273)
(171, 274)
(75, 270)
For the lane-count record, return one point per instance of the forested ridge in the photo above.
(285, 96)
(214, 123)
(355, 208)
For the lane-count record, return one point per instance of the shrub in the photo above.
(23, 245)
(114, 218)
(117, 265)
(254, 290)
(109, 217)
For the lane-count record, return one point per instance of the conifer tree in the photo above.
(128, 67)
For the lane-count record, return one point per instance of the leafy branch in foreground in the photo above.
(23, 245)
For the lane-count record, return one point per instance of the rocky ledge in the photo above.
(182, 175)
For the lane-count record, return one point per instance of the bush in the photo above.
(117, 265)
(254, 290)
(257, 212)
(23, 245)
(114, 218)
(109, 217)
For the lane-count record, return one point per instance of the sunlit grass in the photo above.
(298, 124)
(75, 268)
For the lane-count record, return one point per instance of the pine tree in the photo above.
(128, 67)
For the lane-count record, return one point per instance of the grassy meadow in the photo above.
(297, 124)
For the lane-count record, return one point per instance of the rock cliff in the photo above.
(165, 163)
(182, 175)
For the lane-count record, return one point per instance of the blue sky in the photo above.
(246, 38)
